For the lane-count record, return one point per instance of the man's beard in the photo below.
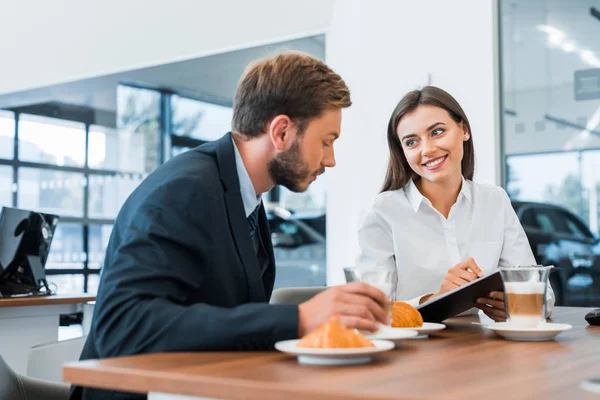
(288, 169)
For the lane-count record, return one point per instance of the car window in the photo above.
(528, 219)
(574, 226)
(544, 220)
(289, 228)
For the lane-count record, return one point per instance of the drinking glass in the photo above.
(525, 294)
(383, 277)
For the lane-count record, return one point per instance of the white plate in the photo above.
(392, 334)
(546, 331)
(360, 355)
(427, 328)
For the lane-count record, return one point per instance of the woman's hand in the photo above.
(461, 274)
(493, 306)
(457, 276)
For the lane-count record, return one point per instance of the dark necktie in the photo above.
(253, 222)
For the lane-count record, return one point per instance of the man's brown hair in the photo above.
(291, 83)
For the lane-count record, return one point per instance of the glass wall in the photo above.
(82, 172)
(199, 119)
(550, 68)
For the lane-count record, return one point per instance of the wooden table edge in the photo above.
(44, 300)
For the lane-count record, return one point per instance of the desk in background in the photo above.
(29, 321)
(464, 361)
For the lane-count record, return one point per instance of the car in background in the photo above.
(558, 237)
(299, 247)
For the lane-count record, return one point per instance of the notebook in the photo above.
(460, 299)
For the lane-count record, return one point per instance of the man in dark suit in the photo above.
(189, 265)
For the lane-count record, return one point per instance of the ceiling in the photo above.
(530, 59)
(213, 77)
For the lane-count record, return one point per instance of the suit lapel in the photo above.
(237, 218)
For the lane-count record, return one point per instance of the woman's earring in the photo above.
(467, 136)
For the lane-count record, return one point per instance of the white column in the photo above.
(384, 49)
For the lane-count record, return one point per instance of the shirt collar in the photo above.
(415, 197)
(466, 190)
(249, 197)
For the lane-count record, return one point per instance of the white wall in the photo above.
(384, 49)
(49, 42)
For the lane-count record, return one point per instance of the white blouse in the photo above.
(403, 228)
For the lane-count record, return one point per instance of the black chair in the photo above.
(16, 387)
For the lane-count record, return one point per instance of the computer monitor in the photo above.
(25, 239)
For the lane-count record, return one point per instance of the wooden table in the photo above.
(29, 321)
(465, 361)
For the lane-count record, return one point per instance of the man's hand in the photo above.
(493, 306)
(356, 304)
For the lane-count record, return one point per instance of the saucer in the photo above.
(546, 331)
(427, 328)
(423, 331)
(347, 356)
(395, 335)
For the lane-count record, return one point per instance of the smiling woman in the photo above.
(439, 228)
(407, 133)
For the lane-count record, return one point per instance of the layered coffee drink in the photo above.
(525, 303)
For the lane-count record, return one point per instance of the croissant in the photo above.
(405, 316)
(334, 334)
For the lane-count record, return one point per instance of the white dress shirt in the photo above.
(403, 228)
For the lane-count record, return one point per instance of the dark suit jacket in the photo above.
(181, 273)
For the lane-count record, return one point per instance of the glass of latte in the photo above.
(525, 294)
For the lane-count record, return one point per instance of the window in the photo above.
(51, 141)
(81, 172)
(109, 192)
(93, 282)
(6, 180)
(194, 122)
(138, 124)
(67, 283)
(198, 119)
(7, 134)
(590, 178)
(97, 242)
(50, 191)
(66, 251)
(551, 123)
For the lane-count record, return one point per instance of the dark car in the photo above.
(299, 247)
(558, 237)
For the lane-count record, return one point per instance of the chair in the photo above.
(46, 361)
(16, 387)
(294, 295)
